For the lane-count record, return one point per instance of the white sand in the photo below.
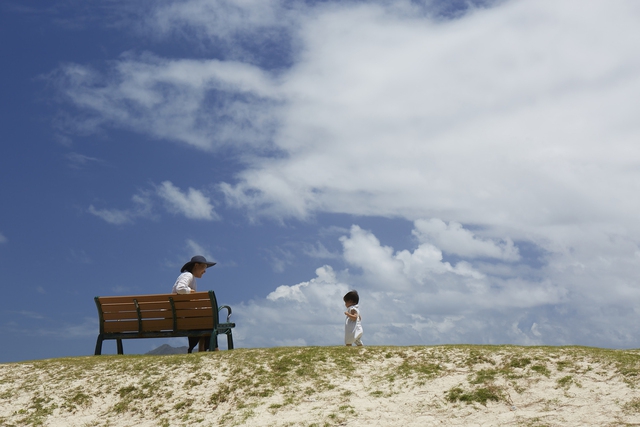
(553, 387)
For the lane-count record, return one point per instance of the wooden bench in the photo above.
(162, 316)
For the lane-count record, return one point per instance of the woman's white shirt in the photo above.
(185, 284)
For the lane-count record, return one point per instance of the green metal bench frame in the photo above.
(162, 316)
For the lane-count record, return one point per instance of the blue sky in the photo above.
(472, 169)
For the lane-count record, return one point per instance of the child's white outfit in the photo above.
(353, 328)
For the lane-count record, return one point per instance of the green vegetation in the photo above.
(632, 406)
(480, 395)
(541, 369)
(76, 399)
(565, 382)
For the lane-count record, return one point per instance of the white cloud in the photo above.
(280, 258)
(325, 277)
(407, 297)
(112, 216)
(518, 120)
(195, 248)
(141, 209)
(289, 293)
(454, 239)
(84, 328)
(206, 104)
(77, 160)
(190, 249)
(303, 314)
(412, 296)
(193, 204)
(515, 123)
(319, 251)
(30, 314)
(79, 257)
(2, 238)
(220, 19)
(480, 120)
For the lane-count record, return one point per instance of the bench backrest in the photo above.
(160, 312)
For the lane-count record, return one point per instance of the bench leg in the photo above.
(201, 344)
(120, 351)
(99, 346)
(229, 341)
(213, 342)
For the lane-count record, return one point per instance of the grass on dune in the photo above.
(238, 383)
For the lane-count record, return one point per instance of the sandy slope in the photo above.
(326, 386)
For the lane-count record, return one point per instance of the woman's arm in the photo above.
(182, 284)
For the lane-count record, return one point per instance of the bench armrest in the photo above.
(228, 311)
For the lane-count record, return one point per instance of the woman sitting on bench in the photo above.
(186, 283)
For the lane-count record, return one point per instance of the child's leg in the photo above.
(359, 342)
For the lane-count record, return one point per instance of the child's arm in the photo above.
(351, 316)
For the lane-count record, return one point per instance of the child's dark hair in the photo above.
(352, 296)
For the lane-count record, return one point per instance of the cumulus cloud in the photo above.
(193, 203)
(509, 128)
(304, 314)
(325, 275)
(412, 296)
(454, 239)
(408, 296)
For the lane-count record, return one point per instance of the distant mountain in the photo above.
(167, 349)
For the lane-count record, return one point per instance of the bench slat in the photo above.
(110, 308)
(194, 296)
(154, 305)
(197, 323)
(120, 316)
(157, 325)
(147, 314)
(191, 297)
(194, 313)
(132, 326)
(151, 314)
(190, 305)
(144, 305)
(121, 326)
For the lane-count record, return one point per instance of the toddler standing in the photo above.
(353, 326)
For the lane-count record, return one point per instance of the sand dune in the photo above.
(329, 386)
